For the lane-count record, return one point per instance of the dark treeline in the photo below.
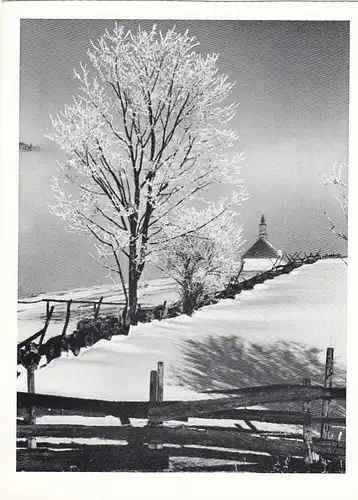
(333, 256)
(23, 146)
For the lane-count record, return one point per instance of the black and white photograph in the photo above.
(182, 245)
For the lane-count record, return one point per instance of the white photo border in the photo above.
(37, 486)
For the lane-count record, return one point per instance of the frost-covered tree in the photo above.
(205, 261)
(339, 181)
(143, 142)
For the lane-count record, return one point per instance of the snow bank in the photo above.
(276, 333)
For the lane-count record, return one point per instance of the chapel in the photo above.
(262, 248)
(262, 254)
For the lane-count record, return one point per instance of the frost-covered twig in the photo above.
(339, 179)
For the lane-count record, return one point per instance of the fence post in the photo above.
(158, 457)
(153, 386)
(160, 381)
(47, 308)
(156, 396)
(96, 308)
(326, 403)
(160, 384)
(153, 394)
(68, 314)
(307, 437)
(31, 442)
(48, 319)
(165, 310)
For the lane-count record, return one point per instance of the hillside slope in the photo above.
(276, 333)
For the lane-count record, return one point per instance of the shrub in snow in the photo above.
(28, 355)
(53, 348)
(145, 315)
(174, 310)
(204, 262)
(90, 331)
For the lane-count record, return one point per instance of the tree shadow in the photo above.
(230, 362)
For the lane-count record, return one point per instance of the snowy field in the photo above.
(31, 317)
(276, 333)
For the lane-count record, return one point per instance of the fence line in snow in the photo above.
(93, 302)
(293, 261)
(49, 313)
(149, 447)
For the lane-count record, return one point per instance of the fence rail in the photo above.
(186, 435)
(184, 409)
(65, 301)
(257, 396)
(48, 404)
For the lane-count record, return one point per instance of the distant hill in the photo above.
(23, 146)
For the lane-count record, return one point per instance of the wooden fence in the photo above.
(31, 349)
(168, 433)
(50, 309)
(240, 284)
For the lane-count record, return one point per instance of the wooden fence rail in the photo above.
(65, 301)
(331, 392)
(61, 405)
(186, 435)
(170, 409)
(174, 450)
(273, 417)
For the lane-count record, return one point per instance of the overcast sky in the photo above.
(292, 86)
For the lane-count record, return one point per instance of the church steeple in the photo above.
(263, 228)
(262, 249)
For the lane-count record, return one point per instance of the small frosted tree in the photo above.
(339, 181)
(205, 261)
(145, 139)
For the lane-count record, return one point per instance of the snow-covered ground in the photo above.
(276, 333)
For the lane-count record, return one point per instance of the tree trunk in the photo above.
(187, 297)
(186, 289)
(133, 277)
(188, 305)
(132, 298)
